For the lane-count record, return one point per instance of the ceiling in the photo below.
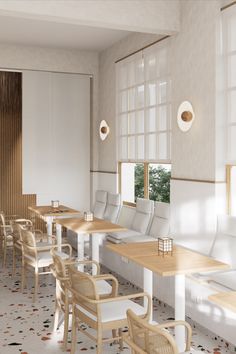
(31, 32)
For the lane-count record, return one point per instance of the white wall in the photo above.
(56, 138)
(59, 60)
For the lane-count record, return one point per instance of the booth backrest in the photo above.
(143, 214)
(100, 204)
(160, 225)
(224, 246)
(112, 207)
(126, 216)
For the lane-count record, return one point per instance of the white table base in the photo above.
(148, 287)
(179, 303)
(180, 310)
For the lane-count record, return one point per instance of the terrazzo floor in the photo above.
(26, 327)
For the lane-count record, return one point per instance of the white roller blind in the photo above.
(229, 55)
(143, 106)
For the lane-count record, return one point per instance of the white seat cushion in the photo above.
(224, 249)
(45, 258)
(227, 279)
(115, 310)
(117, 237)
(144, 210)
(140, 238)
(103, 287)
(100, 204)
(160, 227)
(113, 207)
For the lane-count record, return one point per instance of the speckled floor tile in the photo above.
(26, 327)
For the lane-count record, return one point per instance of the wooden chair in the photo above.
(145, 338)
(63, 302)
(25, 224)
(6, 236)
(98, 313)
(36, 257)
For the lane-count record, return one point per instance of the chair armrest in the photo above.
(115, 284)
(85, 262)
(179, 323)
(117, 298)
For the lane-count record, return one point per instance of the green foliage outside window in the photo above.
(159, 183)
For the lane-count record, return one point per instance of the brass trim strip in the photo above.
(139, 50)
(227, 6)
(129, 204)
(109, 172)
(228, 189)
(196, 180)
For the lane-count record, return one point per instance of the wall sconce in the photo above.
(104, 130)
(185, 116)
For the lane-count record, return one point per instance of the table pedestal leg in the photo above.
(148, 286)
(95, 252)
(80, 250)
(180, 310)
(49, 225)
(58, 236)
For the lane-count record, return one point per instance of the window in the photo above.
(229, 62)
(143, 106)
(229, 56)
(144, 180)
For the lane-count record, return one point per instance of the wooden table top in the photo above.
(48, 210)
(80, 226)
(183, 260)
(225, 299)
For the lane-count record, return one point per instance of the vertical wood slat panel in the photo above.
(11, 199)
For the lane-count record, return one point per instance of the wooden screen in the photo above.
(11, 199)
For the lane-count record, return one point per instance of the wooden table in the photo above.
(82, 228)
(225, 299)
(48, 213)
(182, 262)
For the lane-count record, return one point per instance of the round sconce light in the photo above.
(185, 116)
(104, 130)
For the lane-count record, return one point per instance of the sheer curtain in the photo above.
(143, 105)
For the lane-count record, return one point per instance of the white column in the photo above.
(95, 251)
(58, 236)
(148, 286)
(180, 310)
(49, 225)
(80, 249)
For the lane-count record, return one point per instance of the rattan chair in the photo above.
(25, 224)
(6, 236)
(98, 313)
(145, 338)
(37, 256)
(63, 302)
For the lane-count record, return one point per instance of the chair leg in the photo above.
(22, 275)
(36, 282)
(4, 254)
(121, 340)
(66, 326)
(56, 316)
(114, 335)
(13, 261)
(73, 333)
(99, 340)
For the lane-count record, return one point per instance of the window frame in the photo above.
(146, 178)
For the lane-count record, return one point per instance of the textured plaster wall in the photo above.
(74, 61)
(194, 79)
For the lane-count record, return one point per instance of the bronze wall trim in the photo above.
(139, 50)
(227, 6)
(109, 172)
(196, 180)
